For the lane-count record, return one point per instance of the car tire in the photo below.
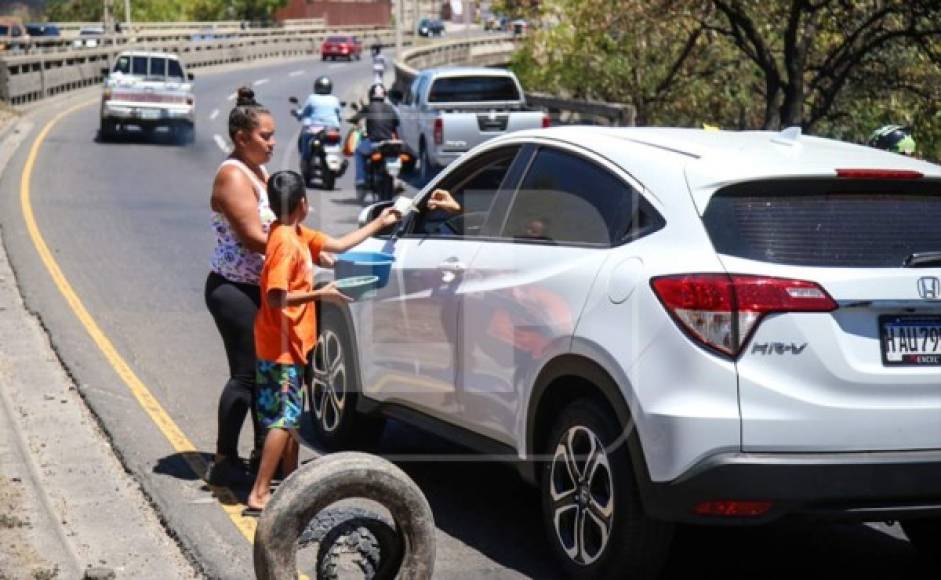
(594, 520)
(107, 130)
(925, 535)
(334, 388)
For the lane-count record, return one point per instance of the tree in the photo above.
(808, 51)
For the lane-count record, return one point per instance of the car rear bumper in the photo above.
(147, 115)
(877, 486)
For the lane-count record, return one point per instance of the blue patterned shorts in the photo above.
(279, 400)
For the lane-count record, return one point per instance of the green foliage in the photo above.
(838, 68)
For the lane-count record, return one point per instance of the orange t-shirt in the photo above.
(287, 335)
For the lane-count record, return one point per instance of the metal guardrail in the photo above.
(495, 51)
(74, 27)
(31, 77)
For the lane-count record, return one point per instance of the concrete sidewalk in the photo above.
(67, 507)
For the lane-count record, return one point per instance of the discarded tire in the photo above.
(368, 544)
(333, 478)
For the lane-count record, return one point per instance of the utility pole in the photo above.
(127, 14)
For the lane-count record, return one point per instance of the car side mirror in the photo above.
(191, 76)
(395, 96)
(371, 212)
(293, 100)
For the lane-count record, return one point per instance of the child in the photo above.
(285, 327)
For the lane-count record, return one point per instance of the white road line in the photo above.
(215, 113)
(222, 143)
(296, 73)
(259, 82)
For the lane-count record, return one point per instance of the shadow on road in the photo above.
(486, 506)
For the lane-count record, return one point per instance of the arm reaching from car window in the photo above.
(442, 199)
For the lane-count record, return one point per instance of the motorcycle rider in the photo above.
(894, 138)
(322, 109)
(382, 123)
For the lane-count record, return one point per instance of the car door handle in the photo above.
(452, 265)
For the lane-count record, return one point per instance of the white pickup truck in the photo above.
(148, 90)
(450, 110)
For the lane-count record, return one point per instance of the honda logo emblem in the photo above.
(929, 288)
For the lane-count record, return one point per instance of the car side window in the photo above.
(158, 67)
(174, 69)
(475, 187)
(567, 199)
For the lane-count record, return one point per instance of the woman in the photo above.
(240, 219)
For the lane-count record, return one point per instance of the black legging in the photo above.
(233, 306)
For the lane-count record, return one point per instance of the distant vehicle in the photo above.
(348, 47)
(430, 27)
(148, 90)
(519, 26)
(495, 23)
(42, 29)
(89, 37)
(449, 110)
(13, 35)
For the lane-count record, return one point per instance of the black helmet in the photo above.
(323, 86)
(377, 92)
(894, 138)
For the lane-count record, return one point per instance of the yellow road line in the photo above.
(175, 436)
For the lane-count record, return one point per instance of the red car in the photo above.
(348, 47)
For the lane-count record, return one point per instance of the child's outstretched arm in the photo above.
(278, 298)
(387, 218)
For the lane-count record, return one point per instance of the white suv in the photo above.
(664, 325)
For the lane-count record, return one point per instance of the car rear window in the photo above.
(336, 39)
(473, 88)
(827, 223)
(139, 66)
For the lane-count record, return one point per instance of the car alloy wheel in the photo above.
(329, 386)
(582, 494)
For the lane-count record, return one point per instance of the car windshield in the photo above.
(4, 30)
(473, 89)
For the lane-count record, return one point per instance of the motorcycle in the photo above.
(321, 159)
(388, 160)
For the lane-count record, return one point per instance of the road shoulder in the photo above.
(66, 503)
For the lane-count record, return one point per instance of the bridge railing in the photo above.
(29, 77)
(496, 50)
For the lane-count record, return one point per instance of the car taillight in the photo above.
(878, 174)
(439, 131)
(546, 121)
(721, 311)
(106, 95)
(332, 137)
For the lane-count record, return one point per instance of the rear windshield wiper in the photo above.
(922, 260)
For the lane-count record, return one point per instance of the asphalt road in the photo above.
(128, 222)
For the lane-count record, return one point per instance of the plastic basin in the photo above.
(357, 287)
(354, 264)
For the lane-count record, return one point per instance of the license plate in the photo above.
(150, 114)
(911, 340)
